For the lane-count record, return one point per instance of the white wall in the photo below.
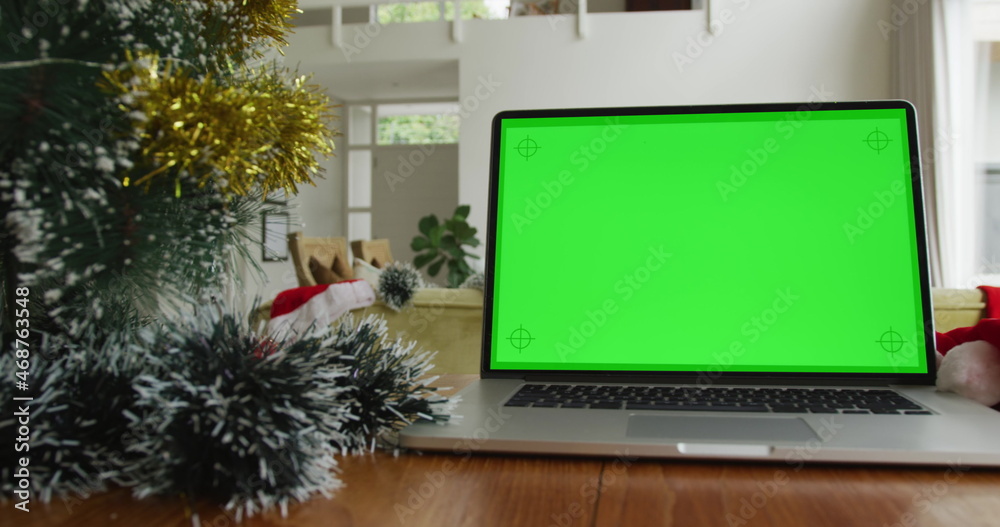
(768, 50)
(409, 183)
(317, 211)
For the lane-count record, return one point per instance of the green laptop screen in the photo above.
(775, 241)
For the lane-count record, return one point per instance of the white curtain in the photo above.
(913, 80)
(957, 185)
(942, 70)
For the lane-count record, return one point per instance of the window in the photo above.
(408, 124)
(991, 231)
(431, 11)
(986, 160)
(371, 127)
(409, 12)
(359, 171)
(484, 9)
(950, 45)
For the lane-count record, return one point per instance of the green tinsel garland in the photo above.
(206, 408)
(224, 414)
(397, 283)
(200, 406)
(79, 391)
(388, 383)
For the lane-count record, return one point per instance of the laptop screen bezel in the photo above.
(700, 377)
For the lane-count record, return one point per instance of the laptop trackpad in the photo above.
(719, 428)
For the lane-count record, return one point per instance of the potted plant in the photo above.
(443, 243)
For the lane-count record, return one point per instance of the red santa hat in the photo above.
(295, 310)
(969, 358)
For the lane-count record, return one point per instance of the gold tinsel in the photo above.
(236, 25)
(255, 131)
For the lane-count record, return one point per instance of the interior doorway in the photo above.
(402, 164)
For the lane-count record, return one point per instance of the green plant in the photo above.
(442, 243)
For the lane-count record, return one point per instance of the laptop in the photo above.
(710, 282)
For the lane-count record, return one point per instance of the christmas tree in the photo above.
(137, 142)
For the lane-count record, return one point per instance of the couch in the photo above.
(956, 308)
(449, 321)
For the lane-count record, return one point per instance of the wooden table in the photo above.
(481, 490)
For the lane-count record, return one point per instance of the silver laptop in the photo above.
(739, 282)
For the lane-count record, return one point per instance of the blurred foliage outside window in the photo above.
(431, 11)
(418, 129)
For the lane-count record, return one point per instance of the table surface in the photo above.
(482, 490)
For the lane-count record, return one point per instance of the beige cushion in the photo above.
(366, 271)
(957, 308)
(321, 273)
(375, 252)
(326, 251)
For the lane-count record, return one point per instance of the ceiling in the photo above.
(393, 80)
(375, 80)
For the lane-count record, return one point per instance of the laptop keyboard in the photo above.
(717, 399)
